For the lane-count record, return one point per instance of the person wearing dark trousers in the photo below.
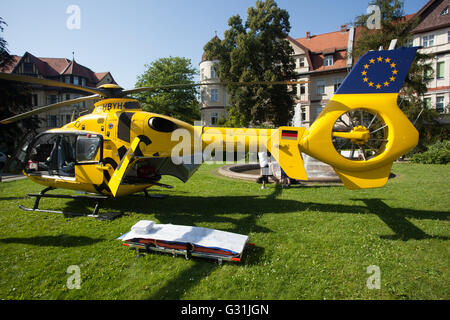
(285, 180)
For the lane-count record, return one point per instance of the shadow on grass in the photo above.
(176, 287)
(54, 241)
(243, 212)
(12, 198)
(395, 218)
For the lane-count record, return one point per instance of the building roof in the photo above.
(55, 67)
(327, 42)
(332, 43)
(431, 17)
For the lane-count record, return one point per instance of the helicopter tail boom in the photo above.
(282, 143)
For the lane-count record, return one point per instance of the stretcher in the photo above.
(146, 236)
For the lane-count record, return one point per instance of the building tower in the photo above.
(213, 98)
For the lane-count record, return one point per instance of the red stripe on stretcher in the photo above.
(288, 134)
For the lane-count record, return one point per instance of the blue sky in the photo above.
(123, 36)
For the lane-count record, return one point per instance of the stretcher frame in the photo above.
(188, 250)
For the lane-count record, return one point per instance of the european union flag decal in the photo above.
(379, 72)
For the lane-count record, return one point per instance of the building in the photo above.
(323, 61)
(433, 34)
(59, 69)
(213, 98)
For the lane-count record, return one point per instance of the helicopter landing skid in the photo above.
(95, 214)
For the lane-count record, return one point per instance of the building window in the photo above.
(445, 11)
(214, 118)
(302, 88)
(440, 104)
(204, 96)
(320, 87)
(427, 102)
(34, 100)
(429, 74)
(428, 41)
(213, 73)
(52, 99)
(448, 37)
(67, 96)
(51, 121)
(318, 110)
(328, 61)
(28, 67)
(440, 70)
(337, 83)
(214, 95)
(303, 114)
(409, 42)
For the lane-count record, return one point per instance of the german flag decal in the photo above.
(289, 134)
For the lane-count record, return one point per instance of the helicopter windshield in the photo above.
(53, 153)
(57, 153)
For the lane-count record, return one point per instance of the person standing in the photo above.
(285, 180)
(264, 162)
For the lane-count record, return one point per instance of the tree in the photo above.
(394, 25)
(15, 98)
(180, 103)
(256, 51)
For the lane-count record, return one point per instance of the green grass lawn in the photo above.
(312, 242)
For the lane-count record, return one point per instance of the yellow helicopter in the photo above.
(119, 149)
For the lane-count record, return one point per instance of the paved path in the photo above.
(6, 177)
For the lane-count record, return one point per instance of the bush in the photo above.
(437, 153)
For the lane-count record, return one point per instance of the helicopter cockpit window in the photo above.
(52, 154)
(132, 105)
(87, 148)
(40, 153)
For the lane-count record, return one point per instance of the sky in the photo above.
(124, 36)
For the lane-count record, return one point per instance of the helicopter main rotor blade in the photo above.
(47, 108)
(187, 85)
(47, 82)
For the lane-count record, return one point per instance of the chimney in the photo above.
(344, 28)
(308, 35)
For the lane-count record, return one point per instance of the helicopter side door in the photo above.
(88, 156)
